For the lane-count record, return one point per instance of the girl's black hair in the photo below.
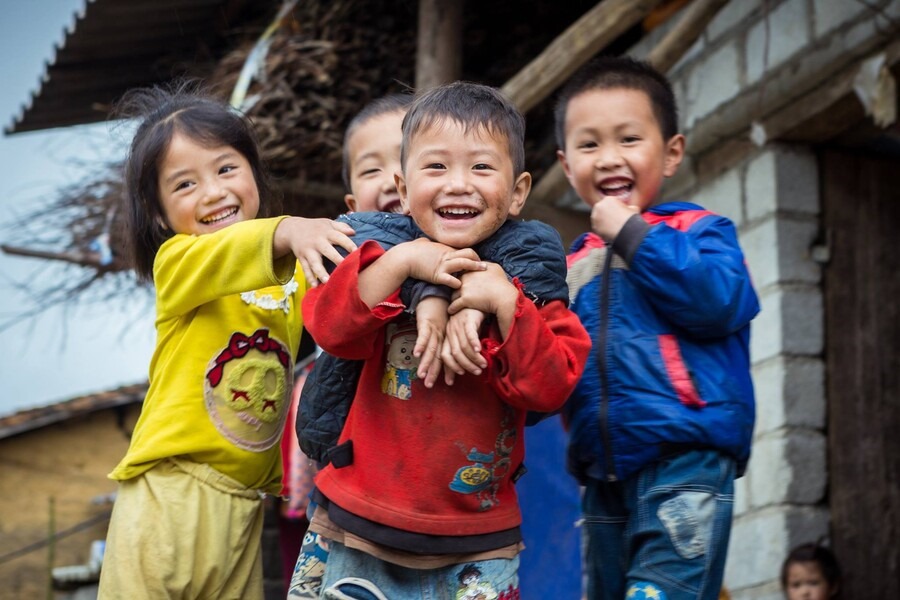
(822, 556)
(162, 111)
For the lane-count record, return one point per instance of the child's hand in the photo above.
(462, 345)
(609, 215)
(431, 320)
(440, 264)
(311, 240)
(490, 292)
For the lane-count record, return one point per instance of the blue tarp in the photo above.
(550, 566)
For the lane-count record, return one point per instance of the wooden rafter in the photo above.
(574, 47)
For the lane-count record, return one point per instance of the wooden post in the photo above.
(439, 51)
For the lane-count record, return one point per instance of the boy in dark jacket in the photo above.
(660, 423)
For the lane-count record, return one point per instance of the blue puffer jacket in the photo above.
(669, 314)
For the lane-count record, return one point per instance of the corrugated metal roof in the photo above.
(35, 418)
(119, 44)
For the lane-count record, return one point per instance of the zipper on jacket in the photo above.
(603, 367)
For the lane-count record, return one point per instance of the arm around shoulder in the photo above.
(190, 271)
(335, 315)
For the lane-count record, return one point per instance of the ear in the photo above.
(520, 193)
(161, 221)
(674, 154)
(400, 182)
(350, 201)
(561, 157)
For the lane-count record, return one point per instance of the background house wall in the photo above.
(53, 477)
(66, 462)
(752, 54)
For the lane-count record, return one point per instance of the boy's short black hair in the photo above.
(473, 106)
(611, 72)
(379, 106)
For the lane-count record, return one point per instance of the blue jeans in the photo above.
(663, 533)
(359, 575)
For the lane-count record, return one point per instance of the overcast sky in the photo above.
(89, 349)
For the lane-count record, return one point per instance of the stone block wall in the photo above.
(773, 200)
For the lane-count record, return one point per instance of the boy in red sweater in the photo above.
(423, 497)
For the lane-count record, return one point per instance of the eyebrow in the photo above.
(180, 172)
(365, 155)
(442, 151)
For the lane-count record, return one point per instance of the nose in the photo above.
(457, 182)
(213, 191)
(608, 157)
(388, 185)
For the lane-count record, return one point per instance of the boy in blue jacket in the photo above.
(661, 421)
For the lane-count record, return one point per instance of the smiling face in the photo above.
(614, 147)
(204, 189)
(805, 581)
(373, 154)
(458, 185)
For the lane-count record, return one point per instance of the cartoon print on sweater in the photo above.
(483, 476)
(400, 370)
(246, 390)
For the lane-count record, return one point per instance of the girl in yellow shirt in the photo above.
(188, 514)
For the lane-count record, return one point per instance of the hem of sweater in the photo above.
(322, 525)
(416, 542)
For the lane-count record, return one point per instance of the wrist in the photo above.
(397, 261)
(281, 238)
(505, 307)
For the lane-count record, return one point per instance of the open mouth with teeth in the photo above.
(220, 216)
(458, 213)
(618, 188)
(393, 206)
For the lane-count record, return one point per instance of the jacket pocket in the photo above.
(678, 373)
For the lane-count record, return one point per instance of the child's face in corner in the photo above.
(373, 152)
(614, 147)
(204, 189)
(805, 581)
(459, 185)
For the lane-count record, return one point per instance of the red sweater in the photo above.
(438, 461)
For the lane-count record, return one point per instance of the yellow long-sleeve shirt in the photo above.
(228, 328)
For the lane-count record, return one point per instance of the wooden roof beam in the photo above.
(595, 30)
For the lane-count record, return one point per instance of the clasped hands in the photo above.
(449, 332)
